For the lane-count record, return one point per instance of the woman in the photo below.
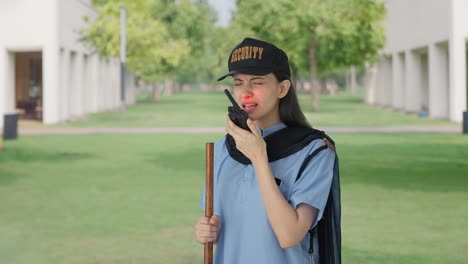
(266, 197)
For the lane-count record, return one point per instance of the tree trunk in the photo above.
(156, 91)
(353, 80)
(168, 87)
(331, 86)
(315, 90)
(348, 81)
(322, 85)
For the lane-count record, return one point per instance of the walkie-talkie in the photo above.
(237, 115)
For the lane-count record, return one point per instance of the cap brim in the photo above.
(231, 73)
(254, 71)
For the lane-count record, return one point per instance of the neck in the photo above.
(269, 119)
(264, 125)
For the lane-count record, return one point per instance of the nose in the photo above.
(246, 96)
(247, 91)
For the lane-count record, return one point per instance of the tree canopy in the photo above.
(164, 37)
(319, 35)
(180, 38)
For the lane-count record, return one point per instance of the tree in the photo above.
(194, 22)
(167, 39)
(150, 48)
(333, 33)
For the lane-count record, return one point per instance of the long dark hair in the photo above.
(290, 111)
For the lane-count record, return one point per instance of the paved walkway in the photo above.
(200, 130)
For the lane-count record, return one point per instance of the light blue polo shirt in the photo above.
(246, 234)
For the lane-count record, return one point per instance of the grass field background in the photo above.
(196, 108)
(134, 198)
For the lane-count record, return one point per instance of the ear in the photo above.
(284, 88)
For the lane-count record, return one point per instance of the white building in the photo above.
(424, 65)
(45, 72)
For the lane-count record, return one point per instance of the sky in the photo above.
(224, 8)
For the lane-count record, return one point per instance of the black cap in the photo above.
(257, 57)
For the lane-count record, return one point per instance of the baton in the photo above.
(209, 198)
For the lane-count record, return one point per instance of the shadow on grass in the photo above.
(332, 109)
(410, 166)
(15, 156)
(22, 154)
(172, 100)
(178, 159)
(8, 176)
(375, 257)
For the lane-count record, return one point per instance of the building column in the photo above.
(112, 84)
(72, 87)
(86, 105)
(387, 88)
(413, 88)
(51, 84)
(398, 80)
(424, 81)
(457, 75)
(116, 83)
(105, 83)
(50, 72)
(102, 85)
(438, 82)
(94, 82)
(97, 83)
(7, 83)
(3, 83)
(64, 85)
(370, 83)
(457, 60)
(384, 82)
(380, 82)
(78, 84)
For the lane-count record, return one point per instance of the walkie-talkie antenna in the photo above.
(234, 103)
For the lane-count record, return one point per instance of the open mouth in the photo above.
(249, 108)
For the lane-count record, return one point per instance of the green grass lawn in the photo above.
(349, 110)
(196, 108)
(134, 198)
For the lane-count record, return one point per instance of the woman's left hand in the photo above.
(251, 144)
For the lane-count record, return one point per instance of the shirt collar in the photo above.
(271, 129)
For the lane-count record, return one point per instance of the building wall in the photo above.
(24, 26)
(458, 59)
(71, 14)
(412, 24)
(426, 41)
(75, 81)
(27, 24)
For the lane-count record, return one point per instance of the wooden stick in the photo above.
(209, 198)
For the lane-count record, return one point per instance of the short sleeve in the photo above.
(314, 184)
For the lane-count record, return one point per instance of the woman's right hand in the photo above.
(207, 229)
